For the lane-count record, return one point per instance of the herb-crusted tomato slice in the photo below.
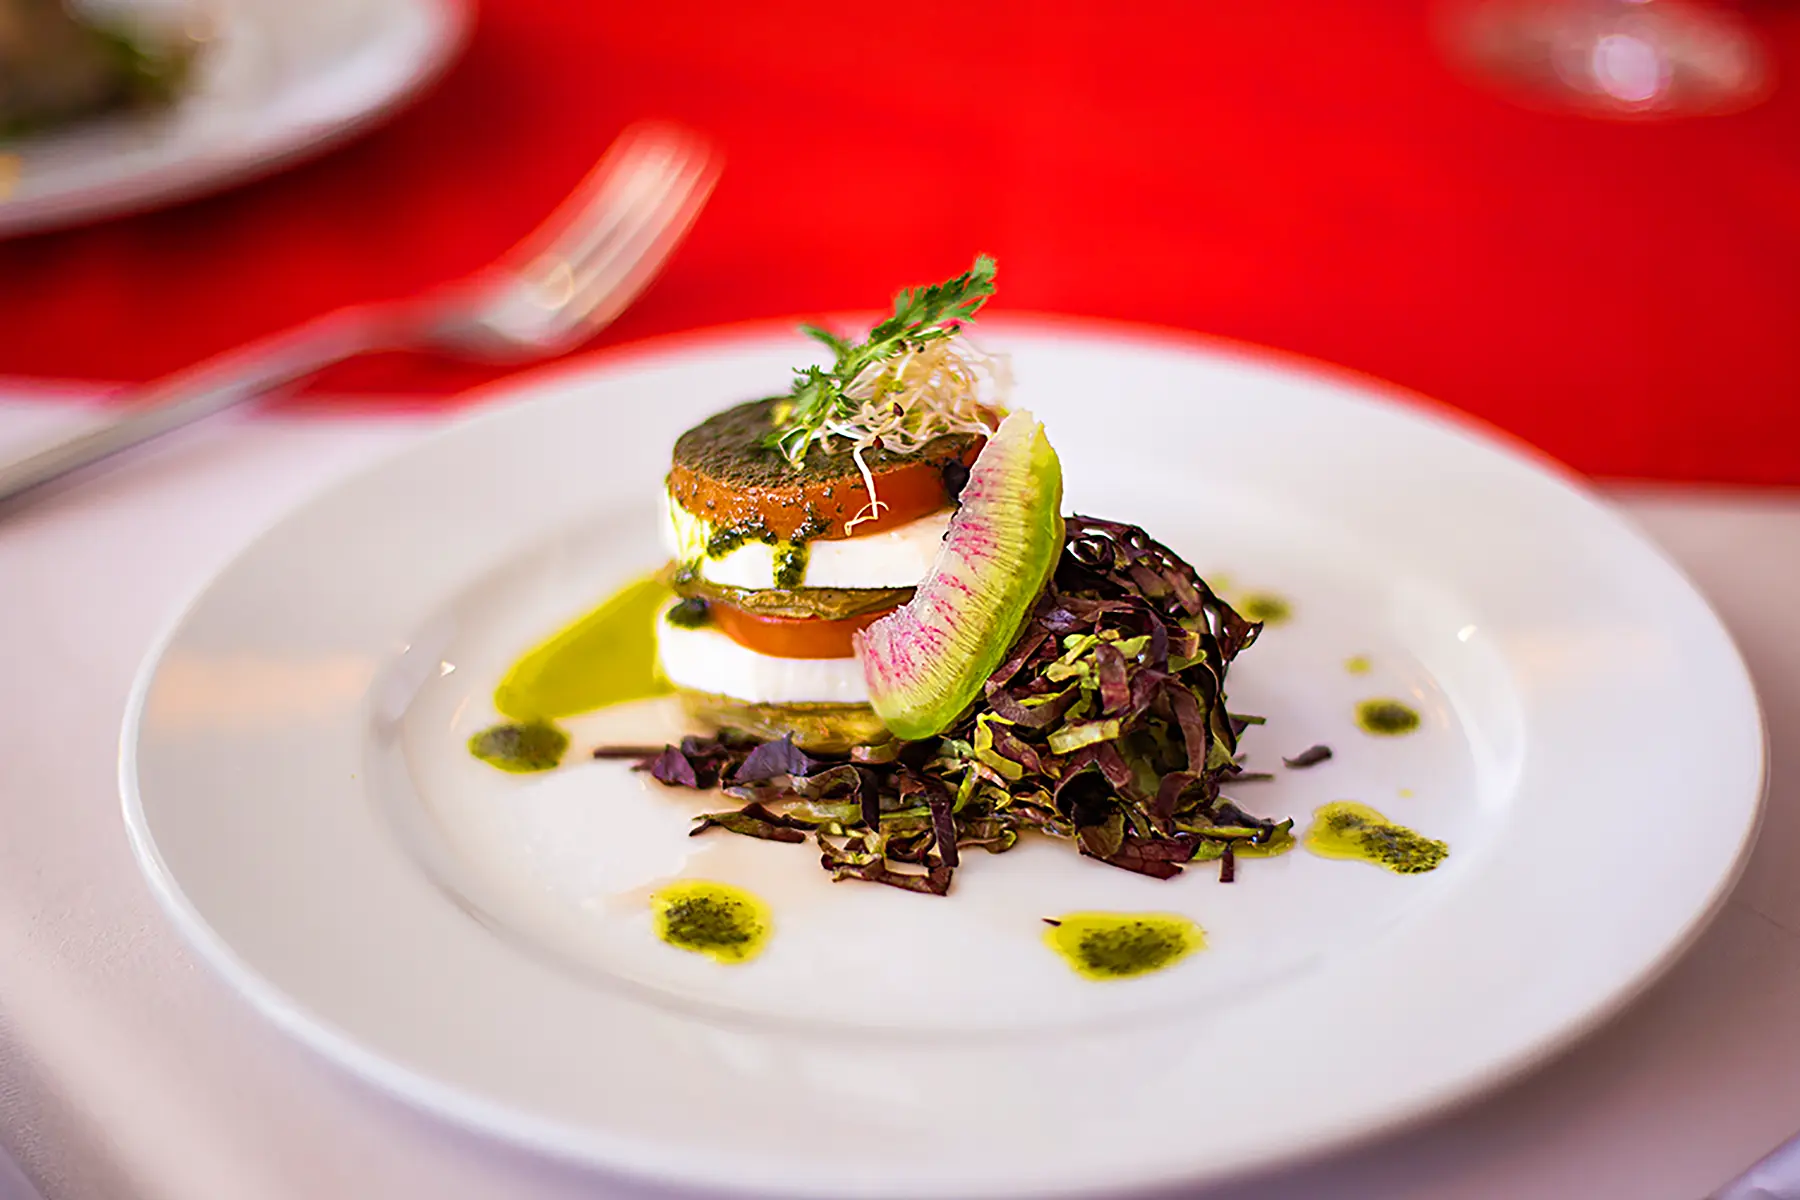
(791, 637)
(723, 474)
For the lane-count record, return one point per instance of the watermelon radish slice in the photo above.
(926, 662)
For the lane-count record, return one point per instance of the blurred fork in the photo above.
(565, 282)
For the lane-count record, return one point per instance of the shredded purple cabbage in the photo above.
(1106, 726)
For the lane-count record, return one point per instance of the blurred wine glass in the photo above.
(1612, 58)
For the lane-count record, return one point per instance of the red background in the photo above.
(1309, 174)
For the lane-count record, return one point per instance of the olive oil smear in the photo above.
(1345, 829)
(1102, 945)
(726, 924)
(606, 657)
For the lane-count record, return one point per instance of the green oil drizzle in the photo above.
(606, 657)
(1358, 664)
(1386, 718)
(1345, 829)
(725, 923)
(1212, 849)
(1266, 607)
(1102, 945)
(520, 747)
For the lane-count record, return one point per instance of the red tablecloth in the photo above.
(1310, 175)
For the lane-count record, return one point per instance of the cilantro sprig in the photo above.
(921, 315)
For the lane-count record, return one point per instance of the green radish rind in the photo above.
(927, 661)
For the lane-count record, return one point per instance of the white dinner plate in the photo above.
(298, 791)
(278, 80)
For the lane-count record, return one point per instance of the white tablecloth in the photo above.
(128, 1071)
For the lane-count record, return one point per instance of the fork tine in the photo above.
(622, 265)
(628, 186)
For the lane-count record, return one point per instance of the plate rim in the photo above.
(633, 1158)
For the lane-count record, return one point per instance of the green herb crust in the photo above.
(728, 448)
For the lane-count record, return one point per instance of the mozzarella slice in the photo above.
(897, 557)
(705, 660)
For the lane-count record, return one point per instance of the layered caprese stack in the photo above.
(779, 565)
(853, 558)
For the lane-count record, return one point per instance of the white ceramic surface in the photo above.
(281, 80)
(297, 790)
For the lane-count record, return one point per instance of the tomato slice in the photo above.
(908, 491)
(791, 637)
(906, 495)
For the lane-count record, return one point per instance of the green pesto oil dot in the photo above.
(726, 924)
(1102, 945)
(1345, 829)
(1386, 718)
(520, 747)
(1266, 607)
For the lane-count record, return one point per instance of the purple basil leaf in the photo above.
(1022, 650)
(774, 758)
(1105, 839)
(673, 768)
(1193, 729)
(1033, 716)
(943, 827)
(1010, 745)
(1112, 764)
(1147, 683)
(1168, 793)
(1159, 859)
(1157, 653)
(869, 791)
(1115, 692)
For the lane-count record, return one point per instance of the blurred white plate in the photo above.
(297, 789)
(283, 80)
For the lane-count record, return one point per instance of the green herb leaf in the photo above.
(921, 315)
